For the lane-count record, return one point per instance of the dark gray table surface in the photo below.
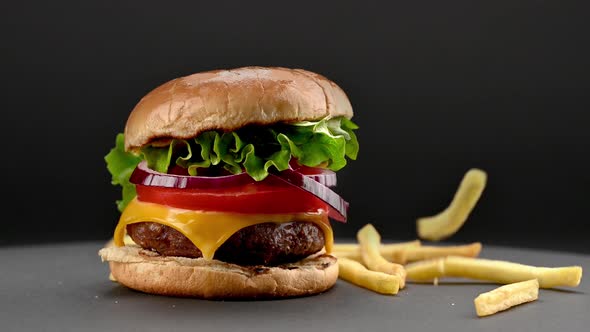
(65, 288)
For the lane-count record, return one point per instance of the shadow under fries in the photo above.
(463, 282)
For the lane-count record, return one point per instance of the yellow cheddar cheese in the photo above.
(209, 230)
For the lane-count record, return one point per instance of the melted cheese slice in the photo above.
(209, 230)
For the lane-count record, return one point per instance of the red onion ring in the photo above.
(339, 207)
(148, 177)
(324, 176)
(316, 184)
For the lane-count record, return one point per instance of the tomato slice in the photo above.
(265, 197)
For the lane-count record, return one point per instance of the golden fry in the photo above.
(448, 222)
(502, 272)
(356, 255)
(345, 247)
(357, 274)
(408, 254)
(369, 242)
(353, 255)
(506, 296)
(426, 271)
(384, 249)
(508, 272)
(390, 251)
(429, 252)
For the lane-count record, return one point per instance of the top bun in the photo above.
(230, 99)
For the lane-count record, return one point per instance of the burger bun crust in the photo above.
(227, 100)
(149, 272)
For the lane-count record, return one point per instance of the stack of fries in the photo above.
(385, 268)
(370, 259)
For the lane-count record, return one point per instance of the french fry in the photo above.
(396, 256)
(501, 272)
(345, 247)
(359, 275)
(409, 253)
(508, 272)
(448, 222)
(353, 255)
(369, 242)
(426, 271)
(429, 252)
(506, 296)
(384, 249)
(392, 251)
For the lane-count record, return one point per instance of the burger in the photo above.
(227, 181)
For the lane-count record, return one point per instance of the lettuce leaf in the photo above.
(256, 150)
(121, 164)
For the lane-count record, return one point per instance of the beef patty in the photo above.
(261, 244)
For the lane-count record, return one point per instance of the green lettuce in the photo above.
(121, 164)
(256, 150)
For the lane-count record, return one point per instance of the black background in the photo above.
(438, 87)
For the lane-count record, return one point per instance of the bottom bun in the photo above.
(149, 272)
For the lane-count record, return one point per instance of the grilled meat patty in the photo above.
(261, 244)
